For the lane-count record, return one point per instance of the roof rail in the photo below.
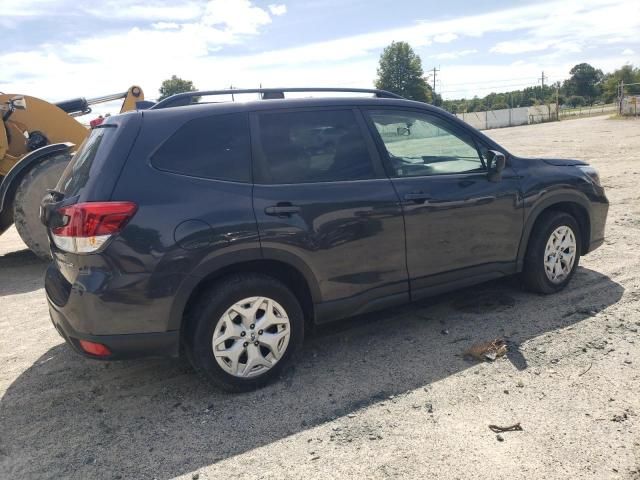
(181, 99)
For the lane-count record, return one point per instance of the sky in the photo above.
(61, 49)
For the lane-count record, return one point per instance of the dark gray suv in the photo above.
(223, 230)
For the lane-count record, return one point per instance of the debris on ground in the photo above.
(619, 418)
(511, 428)
(487, 350)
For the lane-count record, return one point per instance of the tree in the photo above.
(576, 101)
(175, 85)
(400, 71)
(611, 82)
(584, 82)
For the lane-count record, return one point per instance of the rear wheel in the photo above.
(553, 253)
(244, 330)
(26, 203)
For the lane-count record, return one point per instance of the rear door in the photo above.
(459, 224)
(322, 200)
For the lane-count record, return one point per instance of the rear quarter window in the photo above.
(216, 147)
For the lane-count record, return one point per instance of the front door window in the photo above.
(419, 145)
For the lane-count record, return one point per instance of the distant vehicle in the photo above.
(222, 231)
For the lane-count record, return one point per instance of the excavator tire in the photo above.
(26, 205)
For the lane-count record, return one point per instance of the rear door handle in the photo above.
(282, 209)
(417, 197)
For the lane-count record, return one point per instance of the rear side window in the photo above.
(312, 146)
(78, 171)
(216, 147)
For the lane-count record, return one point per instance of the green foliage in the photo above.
(611, 82)
(584, 82)
(576, 101)
(586, 86)
(400, 71)
(175, 85)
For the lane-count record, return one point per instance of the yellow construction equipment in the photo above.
(37, 139)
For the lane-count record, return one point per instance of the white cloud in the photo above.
(192, 46)
(445, 37)
(236, 17)
(178, 11)
(454, 55)
(628, 52)
(519, 46)
(165, 26)
(278, 9)
(26, 8)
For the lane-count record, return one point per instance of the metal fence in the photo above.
(629, 105)
(588, 111)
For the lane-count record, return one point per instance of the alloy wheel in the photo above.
(251, 336)
(560, 254)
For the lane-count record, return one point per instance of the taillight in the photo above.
(87, 226)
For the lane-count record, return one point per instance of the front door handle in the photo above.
(284, 209)
(417, 197)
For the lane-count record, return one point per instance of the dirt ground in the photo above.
(385, 396)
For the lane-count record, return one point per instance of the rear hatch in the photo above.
(78, 212)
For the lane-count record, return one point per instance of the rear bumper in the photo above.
(136, 345)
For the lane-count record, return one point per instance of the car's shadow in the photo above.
(68, 416)
(21, 271)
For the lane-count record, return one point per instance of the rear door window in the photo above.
(216, 147)
(312, 146)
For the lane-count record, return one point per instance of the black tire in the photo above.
(207, 313)
(534, 275)
(26, 203)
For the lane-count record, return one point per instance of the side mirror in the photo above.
(403, 131)
(18, 103)
(496, 162)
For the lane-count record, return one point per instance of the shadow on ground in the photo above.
(67, 416)
(20, 272)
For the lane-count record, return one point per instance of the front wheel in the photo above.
(553, 253)
(244, 330)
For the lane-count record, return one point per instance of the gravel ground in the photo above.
(385, 396)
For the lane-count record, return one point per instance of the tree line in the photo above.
(400, 71)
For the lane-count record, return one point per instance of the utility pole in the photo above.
(435, 70)
(542, 77)
(434, 78)
(620, 96)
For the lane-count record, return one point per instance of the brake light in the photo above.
(87, 226)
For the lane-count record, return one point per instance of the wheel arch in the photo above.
(574, 204)
(290, 271)
(13, 178)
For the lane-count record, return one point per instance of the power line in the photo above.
(490, 81)
(494, 87)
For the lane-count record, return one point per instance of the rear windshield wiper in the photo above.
(56, 195)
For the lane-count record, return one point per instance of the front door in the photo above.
(458, 222)
(323, 201)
